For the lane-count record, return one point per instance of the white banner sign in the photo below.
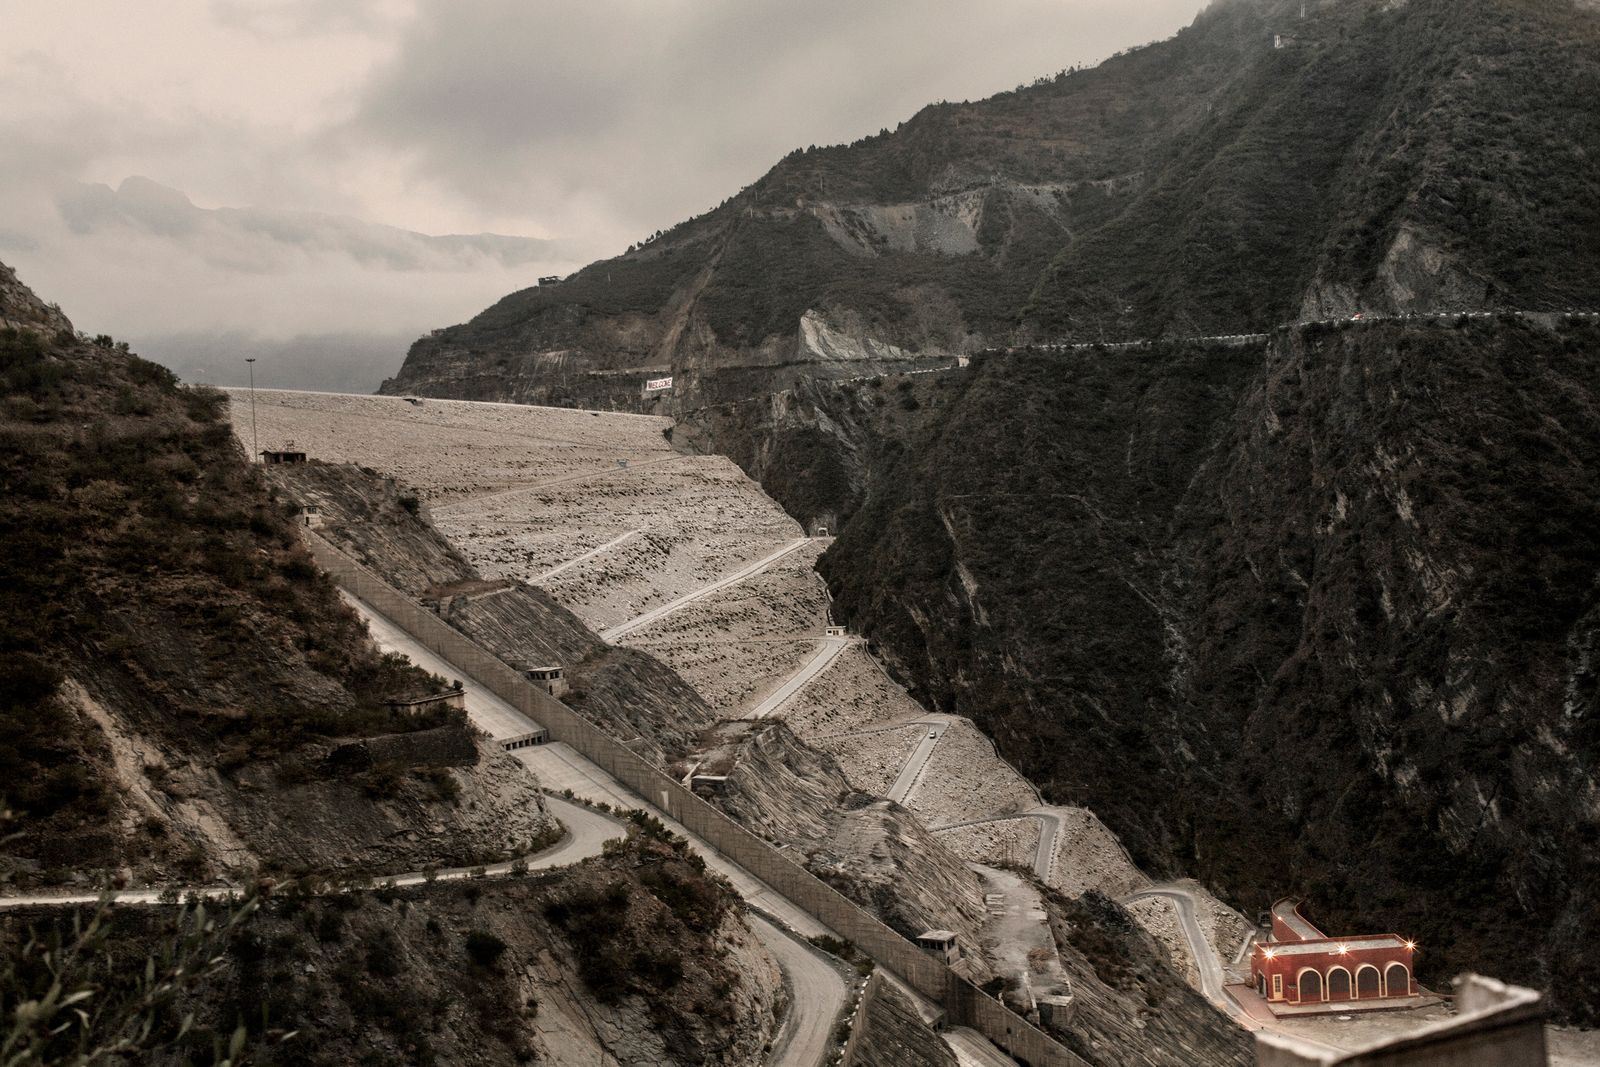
(656, 385)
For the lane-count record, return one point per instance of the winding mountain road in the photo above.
(806, 1038)
(911, 772)
(818, 1002)
(1205, 957)
(587, 833)
(1049, 830)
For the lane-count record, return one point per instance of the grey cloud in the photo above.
(261, 240)
(654, 111)
(279, 19)
(598, 122)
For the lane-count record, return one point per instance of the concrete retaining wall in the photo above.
(859, 1024)
(963, 1002)
(1495, 1025)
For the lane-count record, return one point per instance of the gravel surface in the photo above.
(700, 518)
(1089, 856)
(447, 449)
(1011, 842)
(965, 780)
(853, 695)
(1225, 928)
(871, 761)
(732, 676)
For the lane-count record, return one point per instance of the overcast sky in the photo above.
(591, 122)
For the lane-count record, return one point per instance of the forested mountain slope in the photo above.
(1317, 616)
(1272, 161)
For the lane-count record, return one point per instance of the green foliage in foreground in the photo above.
(71, 998)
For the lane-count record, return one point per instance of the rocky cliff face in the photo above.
(1259, 167)
(20, 309)
(1315, 616)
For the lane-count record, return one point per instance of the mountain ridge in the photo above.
(1210, 183)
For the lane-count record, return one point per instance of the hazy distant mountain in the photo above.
(322, 301)
(335, 363)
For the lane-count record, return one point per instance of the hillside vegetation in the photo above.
(637, 957)
(174, 668)
(1314, 617)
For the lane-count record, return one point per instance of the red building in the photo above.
(1302, 965)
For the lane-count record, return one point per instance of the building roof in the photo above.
(937, 935)
(1288, 912)
(1331, 945)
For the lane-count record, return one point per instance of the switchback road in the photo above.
(1205, 957)
(622, 629)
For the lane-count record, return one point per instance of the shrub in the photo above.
(484, 948)
(383, 954)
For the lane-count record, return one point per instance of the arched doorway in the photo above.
(1310, 983)
(1338, 983)
(1397, 980)
(1369, 983)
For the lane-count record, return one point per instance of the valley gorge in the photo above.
(990, 594)
(1330, 583)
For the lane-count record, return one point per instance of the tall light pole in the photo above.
(255, 445)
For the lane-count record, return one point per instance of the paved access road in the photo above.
(668, 608)
(1205, 957)
(827, 652)
(586, 836)
(1049, 830)
(817, 1004)
(907, 781)
(488, 712)
(818, 996)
